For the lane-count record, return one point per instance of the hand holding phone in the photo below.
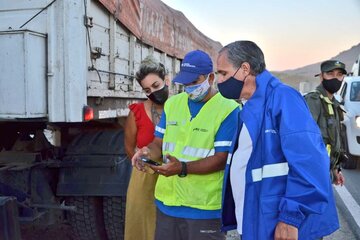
(149, 161)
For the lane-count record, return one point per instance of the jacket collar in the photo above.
(253, 111)
(322, 90)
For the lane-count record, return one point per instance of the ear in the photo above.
(167, 80)
(246, 67)
(211, 78)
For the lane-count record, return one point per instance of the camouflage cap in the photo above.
(330, 65)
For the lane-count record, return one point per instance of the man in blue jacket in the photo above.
(277, 182)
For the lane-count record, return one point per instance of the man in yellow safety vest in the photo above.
(192, 141)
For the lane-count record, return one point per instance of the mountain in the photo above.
(293, 77)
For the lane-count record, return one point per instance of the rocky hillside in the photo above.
(306, 74)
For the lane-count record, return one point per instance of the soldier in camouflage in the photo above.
(328, 114)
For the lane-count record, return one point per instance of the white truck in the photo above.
(67, 69)
(349, 97)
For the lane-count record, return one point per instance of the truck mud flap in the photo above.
(95, 164)
(95, 181)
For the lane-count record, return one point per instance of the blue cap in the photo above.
(194, 64)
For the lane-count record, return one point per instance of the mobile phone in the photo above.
(149, 161)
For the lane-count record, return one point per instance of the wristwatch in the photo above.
(183, 172)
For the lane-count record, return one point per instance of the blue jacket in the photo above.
(287, 176)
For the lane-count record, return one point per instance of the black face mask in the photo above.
(159, 96)
(332, 85)
(231, 88)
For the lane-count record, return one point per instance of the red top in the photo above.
(144, 125)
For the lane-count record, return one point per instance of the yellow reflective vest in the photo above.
(191, 140)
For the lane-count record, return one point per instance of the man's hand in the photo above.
(173, 167)
(339, 177)
(285, 231)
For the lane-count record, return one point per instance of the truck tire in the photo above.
(114, 217)
(87, 222)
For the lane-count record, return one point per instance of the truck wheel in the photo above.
(87, 222)
(351, 162)
(114, 217)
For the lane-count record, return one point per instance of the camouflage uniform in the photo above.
(328, 114)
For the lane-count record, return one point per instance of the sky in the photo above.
(291, 33)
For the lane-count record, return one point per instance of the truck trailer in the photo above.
(66, 80)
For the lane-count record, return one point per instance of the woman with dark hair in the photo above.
(139, 132)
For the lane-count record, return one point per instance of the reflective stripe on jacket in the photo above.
(191, 140)
(287, 176)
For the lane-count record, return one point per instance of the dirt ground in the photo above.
(52, 232)
(63, 232)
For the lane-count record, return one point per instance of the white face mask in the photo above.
(198, 92)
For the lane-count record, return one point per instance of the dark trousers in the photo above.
(173, 228)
